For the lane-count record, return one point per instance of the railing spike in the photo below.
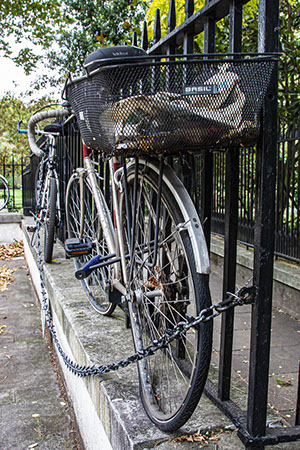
(134, 39)
(189, 8)
(172, 16)
(145, 37)
(157, 27)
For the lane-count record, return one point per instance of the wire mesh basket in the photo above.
(172, 107)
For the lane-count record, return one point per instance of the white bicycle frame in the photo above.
(114, 236)
(51, 172)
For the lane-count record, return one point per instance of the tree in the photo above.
(73, 27)
(289, 74)
(30, 22)
(12, 111)
(95, 23)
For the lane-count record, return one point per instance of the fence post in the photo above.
(268, 28)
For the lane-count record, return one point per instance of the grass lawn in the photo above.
(17, 196)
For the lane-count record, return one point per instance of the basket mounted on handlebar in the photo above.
(183, 104)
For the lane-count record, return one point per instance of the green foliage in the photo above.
(78, 27)
(163, 6)
(95, 23)
(12, 111)
(34, 21)
(289, 73)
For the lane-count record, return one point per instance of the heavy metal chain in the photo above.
(244, 296)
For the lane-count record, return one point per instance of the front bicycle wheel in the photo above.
(50, 220)
(4, 193)
(83, 222)
(165, 290)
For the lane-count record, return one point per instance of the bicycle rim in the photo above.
(164, 293)
(98, 285)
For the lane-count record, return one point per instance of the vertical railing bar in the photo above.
(13, 181)
(231, 227)
(207, 179)
(156, 75)
(145, 37)
(157, 27)
(293, 187)
(188, 39)
(134, 39)
(261, 317)
(171, 49)
(277, 210)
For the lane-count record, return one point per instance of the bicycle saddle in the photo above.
(105, 56)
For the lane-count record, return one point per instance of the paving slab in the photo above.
(33, 409)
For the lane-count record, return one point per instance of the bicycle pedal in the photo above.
(31, 229)
(77, 247)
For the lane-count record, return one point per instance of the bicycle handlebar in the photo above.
(55, 113)
(19, 129)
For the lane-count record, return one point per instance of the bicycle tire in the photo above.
(39, 184)
(4, 193)
(172, 380)
(97, 286)
(50, 220)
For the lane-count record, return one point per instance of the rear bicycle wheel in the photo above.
(4, 193)
(165, 290)
(98, 285)
(50, 220)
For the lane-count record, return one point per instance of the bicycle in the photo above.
(133, 229)
(4, 192)
(46, 183)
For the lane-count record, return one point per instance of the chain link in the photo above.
(244, 296)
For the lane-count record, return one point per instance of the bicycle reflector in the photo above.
(77, 247)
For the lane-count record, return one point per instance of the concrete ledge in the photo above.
(10, 217)
(286, 287)
(108, 408)
(10, 227)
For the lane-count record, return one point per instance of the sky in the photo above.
(13, 78)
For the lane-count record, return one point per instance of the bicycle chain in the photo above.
(245, 295)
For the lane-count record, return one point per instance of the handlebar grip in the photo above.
(55, 113)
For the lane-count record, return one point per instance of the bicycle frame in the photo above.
(51, 173)
(114, 236)
(114, 242)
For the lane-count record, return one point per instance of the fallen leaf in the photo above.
(283, 383)
(6, 277)
(1, 329)
(33, 445)
(10, 251)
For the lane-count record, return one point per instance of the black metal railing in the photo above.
(287, 230)
(235, 202)
(12, 170)
(243, 206)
